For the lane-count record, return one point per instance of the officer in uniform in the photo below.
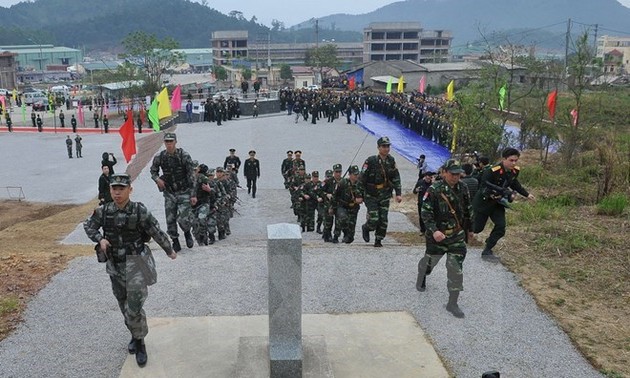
(379, 177)
(232, 159)
(69, 147)
(447, 214)
(73, 122)
(490, 200)
(177, 184)
(127, 226)
(252, 172)
(346, 202)
(287, 168)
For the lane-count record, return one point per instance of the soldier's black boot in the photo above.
(211, 238)
(141, 353)
(189, 239)
(327, 237)
(132, 346)
(335, 239)
(303, 228)
(366, 233)
(176, 246)
(377, 243)
(421, 282)
(452, 306)
(221, 235)
(319, 227)
(489, 256)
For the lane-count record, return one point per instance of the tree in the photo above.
(277, 25)
(285, 72)
(237, 14)
(246, 73)
(220, 73)
(321, 57)
(155, 56)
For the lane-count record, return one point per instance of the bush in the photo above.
(613, 204)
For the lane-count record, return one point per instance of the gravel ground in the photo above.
(73, 327)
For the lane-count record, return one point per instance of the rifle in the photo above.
(501, 194)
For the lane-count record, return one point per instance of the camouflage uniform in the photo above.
(329, 186)
(202, 210)
(345, 204)
(223, 206)
(287, 170)
(307, 205)
(447, 209)
(123, 229)
(296, 181)
(178, 174)
(379, 177)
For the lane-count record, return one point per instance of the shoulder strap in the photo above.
(451, 208)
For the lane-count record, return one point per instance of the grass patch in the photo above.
(569, 241)
(612, 205)
(8, 305)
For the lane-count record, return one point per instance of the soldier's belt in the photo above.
(379, 186)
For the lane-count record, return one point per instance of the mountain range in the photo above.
(97, 24)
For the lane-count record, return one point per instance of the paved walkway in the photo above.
(73, 327)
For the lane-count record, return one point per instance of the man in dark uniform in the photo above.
(127, 226)
(178, 185)
(73, 122)
(252, 172)
(493, 196)
(62, 118)
(105, 124)
(287, 169)
(232, 159)
(446, 212)
(379, 177)
(34, 119)
(69, 147)
(298, 161)
(40, 123)
(104, 194)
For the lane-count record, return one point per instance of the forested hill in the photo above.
(98, 24)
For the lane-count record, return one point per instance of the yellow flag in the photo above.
(164, 106)
(401, 85)
(454, 141)
(450, 89)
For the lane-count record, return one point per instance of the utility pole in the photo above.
(316, 34)
(595, 39)
(566, 50)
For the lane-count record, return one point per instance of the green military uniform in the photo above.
(130, 264)
(446, 208)
(308, 203)
(330, 184)
(296, 182)
(223, 204)
(379, 177)
(346, 202)
(202, 209)
(488, 205)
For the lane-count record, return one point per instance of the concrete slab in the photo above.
(383, 344)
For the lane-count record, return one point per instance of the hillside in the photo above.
(466, 17)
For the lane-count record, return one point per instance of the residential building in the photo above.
(228, 46)
(197, 60)
(293, 54)
(615, 53)
(390, 41)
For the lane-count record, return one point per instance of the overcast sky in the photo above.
(292, 12)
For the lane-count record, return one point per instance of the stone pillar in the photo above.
(284, 262)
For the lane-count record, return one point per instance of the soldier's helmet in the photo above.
(354, 170)
(170, 136)
(453, 166)
(383, 141)
(120, 180)
(329, 173)
(203, 169)
(337, 168)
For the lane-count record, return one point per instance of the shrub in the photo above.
(613, 204)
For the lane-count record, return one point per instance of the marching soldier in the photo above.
(346, 202)
(287, 169)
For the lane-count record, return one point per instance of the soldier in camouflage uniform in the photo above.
(308, 203)
(223, 204)
(214, 199)
(126, 227)
(231, 185)
(318, 191)
(346, 201)
(447, 214)
(286, 168)
(205, 200)
(328, 188)
(296, 182)
(379, 177)
(177, 184)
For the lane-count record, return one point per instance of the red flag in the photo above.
(422, 85)
(552, 98)
(80, 114)
(352, 83)
(176, 100)
(143, 115)
(574, 114)
(128, 137)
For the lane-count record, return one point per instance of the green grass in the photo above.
(8, 305)
(613, 205)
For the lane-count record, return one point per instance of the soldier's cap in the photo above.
(329, 173)
(232, 150)
(210, 171)
(453, 166)
(220, 169)
(337, 168)
(289, 152)
(315, 174)
(354, 170)
(297, 152)
(119, 180)
(195, 163)
(301, 168)
(251, 152)
(383, 141)
(307, 176)
(170, 136)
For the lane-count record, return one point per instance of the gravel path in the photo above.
(73, 327)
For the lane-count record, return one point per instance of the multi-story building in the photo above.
(8, 69)
(40, 57)
(386, 41)
(615, 54)
(293, 54)
(229, 45)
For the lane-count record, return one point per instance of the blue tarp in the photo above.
(405, 141)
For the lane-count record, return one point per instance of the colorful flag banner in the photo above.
(80, 114)
(454, 142)
(388, 89)
(401, 85)
(450, 91)
(4, 105)
(423, 84)
(126, 131)
(502, 93)
(15, 95)
(552, 99)
(154, 117)
(164, 105)
(352, 83)
(176, 100)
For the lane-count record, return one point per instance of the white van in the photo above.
(30, 98)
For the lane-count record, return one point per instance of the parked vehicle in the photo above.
(32, 97)
(40, 105)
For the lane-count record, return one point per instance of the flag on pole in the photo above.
(450, 90)
(4, 105)
(502, 93)
(352, 83)
(454, 142)
(128, 137)
(80, 114)
(388, 89)
(164, 105)
(574, 115)
(552, 99)
(423, 84)
(401, 85)
(176, 101)
(51, 103)
(15, 95)
(154, 117)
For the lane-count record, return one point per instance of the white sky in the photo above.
(292, 12)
